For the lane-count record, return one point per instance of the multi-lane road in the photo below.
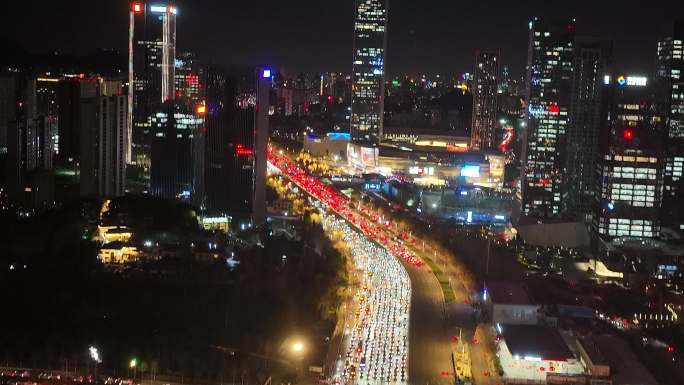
(432, 322)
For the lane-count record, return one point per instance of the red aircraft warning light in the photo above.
(137, 7)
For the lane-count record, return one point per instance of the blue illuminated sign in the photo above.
(339, 136)
(267, 73)
(371, 186)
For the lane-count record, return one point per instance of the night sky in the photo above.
(425, 36)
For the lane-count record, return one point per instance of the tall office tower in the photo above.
(484, 126)
(174, 127)
(151, 68)
(588, 113)
(103, 120)
(368, 73)
(629, 171)
(236, 141)
(188, 75)
(670, 83)
(190, 91)
(549, 79)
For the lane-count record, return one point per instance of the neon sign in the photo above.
(242, 151)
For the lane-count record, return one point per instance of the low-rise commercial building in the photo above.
(509, 304)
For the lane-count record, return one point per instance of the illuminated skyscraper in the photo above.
(549, 79)
(484, 124)
(630, 176)
(152, 57)
(368, 74)
(589, 113)
(670, 82)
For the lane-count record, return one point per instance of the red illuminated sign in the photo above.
(242, 151)
(628, 134)
(554, 109)
(136, 7)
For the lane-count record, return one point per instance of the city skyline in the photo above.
(256, 190)
(440, 38)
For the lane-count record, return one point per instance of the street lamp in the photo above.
(133, 364)
(298, 347)
(95, 354)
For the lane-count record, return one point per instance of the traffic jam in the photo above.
(376, 336)
(373, 228)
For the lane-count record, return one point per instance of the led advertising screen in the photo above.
(470, 170)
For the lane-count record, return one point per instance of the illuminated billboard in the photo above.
(633, 81)
(363, 157)
(470, 170)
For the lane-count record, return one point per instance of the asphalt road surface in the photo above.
(429, 339)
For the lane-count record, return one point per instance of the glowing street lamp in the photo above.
(95, 354)
(298, 347)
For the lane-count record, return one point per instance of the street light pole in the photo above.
(487, 264)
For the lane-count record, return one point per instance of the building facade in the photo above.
(236, 141)
(589, 112)
(102, 136)
(670, 82)
(368, 73)
(173, 151)
(484, 125)
(549, 79)
(630, 169)
(151, 73)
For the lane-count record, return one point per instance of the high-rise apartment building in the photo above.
(589, 109)
(151, 69)
(549, 79)
(484, 123)
(368, 73)
(30, 145)
(103, 120)
(630, 173)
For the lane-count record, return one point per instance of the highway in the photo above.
(377, 337)
(429, 342)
